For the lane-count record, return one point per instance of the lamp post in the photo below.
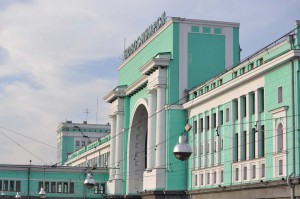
(42, 193)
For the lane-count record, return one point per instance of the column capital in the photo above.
(160, 86)
(151, 91)
(119, 113)
(112, 116)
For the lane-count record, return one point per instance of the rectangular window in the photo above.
(215, 146)
(202, 149)
(222, 176)
(220, 82)
(244, 105)
(263, 141)
(244, 145)
(206, 88)
(227, 114)
(236, 174)
(18, 186)
(253, 171)
(260, 62)
(1, 189)
(280, 94)
(215, 177)
(242, 70)
(201, 125)
(208, 178)
(82, 143)
(11, 185)
(250, 66)
(66, 187)
(221, 117)
(236, 148)
(40, 185)
(235, 74)
(253, 143)
(263, 170)
(208, 147)
(201, 179)
(71, 187)
(245, 173)
(53, 187)
(5, 185)
(196, 180)
(252, 103)
(195, 127)
(214, 122)
(207, 123)
(96, 188)
(77, 143)
(280, 167)
(59, 187)
(102, 188)
(262, 100)
(201, 92)
(236, 109)
(222, 143)
(46, 187)
(213, 85)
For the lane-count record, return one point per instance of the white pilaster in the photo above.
(204, 140)
(248, 125)
(112, 147)
(239, 121)
(217, 138)
(119, 145)
(151, 129)
(257, 133)
(198, 143)
(160, 127)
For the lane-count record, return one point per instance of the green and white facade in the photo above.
(74, 136)
(244, 115)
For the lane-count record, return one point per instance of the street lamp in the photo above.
(182, 150)
(42, 193)
(89, 182)
(18, 195)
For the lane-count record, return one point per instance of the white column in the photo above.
(151, 129)
(257, 133)
(204, 140)
(160, 127)
(112, 147)
(217, 138)
(239, 129)
(248, 125)
(119, 145)
(198, 143)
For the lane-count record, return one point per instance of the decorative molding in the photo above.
(160, 60)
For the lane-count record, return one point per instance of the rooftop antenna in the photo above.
(97, 112)
(124, 48)
(87, 113)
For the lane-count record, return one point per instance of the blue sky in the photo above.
(58, 56)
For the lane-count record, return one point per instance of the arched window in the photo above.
(279, 137)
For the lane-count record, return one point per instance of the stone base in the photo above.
(114, 187)
(155, 178)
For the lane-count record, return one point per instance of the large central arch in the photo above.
(137, 148)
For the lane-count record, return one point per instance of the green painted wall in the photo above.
(162, 43)
(206, 57)
(176, 169)
(236, 46)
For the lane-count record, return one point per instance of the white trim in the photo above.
(136, 85)
(154, 63)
